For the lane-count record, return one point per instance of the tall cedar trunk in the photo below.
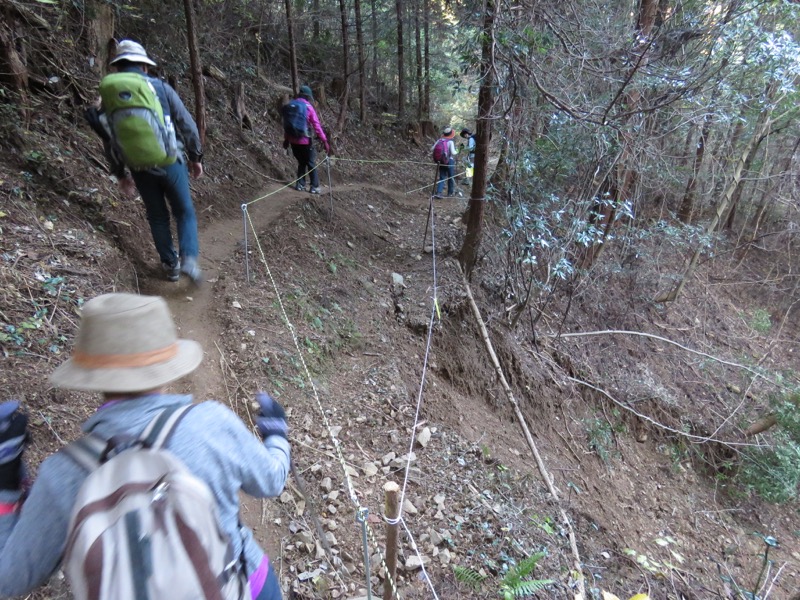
(315, 18)
(426, 103)
(762, 127)
(418, 54)
(292, 47)
(197, 71)
(687, 205)
(374, 28)
(345, 99)
(468, 256)
(401, 72)
(362, 88)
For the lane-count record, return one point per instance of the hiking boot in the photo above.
(192, 269)
(437, 196)
(300, 187)
(315, 190)
(172, 272)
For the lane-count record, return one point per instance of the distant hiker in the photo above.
(444, 155)
(299, 120)
(470, 147)
(118, 546)
(146, 128)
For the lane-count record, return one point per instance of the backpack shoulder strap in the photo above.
(87, 451)
(159, 430)
(91, 450)
(163, 99)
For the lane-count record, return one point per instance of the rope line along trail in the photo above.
(434, 312)
(361, 512)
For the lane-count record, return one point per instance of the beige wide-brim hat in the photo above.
(133, 52)
(126, 343)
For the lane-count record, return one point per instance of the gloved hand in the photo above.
(327, 148)
(13, 437)
(285, 144)
(272, 418)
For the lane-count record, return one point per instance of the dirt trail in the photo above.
(193, 306)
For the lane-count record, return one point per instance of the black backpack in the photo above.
(295, 118)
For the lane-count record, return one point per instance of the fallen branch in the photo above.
(669, 341)
(548, 479)
(695, 439)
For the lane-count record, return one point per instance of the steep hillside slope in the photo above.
(638, 434)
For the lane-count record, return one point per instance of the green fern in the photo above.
(524, 588)
(514, 584)
(469, 577)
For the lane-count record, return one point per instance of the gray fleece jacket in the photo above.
(211, 441)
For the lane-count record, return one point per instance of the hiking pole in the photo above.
(330, 186)
(430, 208)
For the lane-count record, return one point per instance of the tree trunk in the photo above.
(468, 256)
(197, 71)
(418, 61)
(737, 194)
(99, 30)
(401, 73)
(426, 103)
(687, 204)
(344, 100)
(292, 47)
(362, 88)
(374, 27)
(315, 18)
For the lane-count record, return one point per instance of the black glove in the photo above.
(285, 144)
(13, 437)
(272, 418)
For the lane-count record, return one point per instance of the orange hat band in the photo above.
(125, 361)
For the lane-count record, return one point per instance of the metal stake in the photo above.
(361, 517)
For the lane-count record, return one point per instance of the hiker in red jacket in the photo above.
(299, 119)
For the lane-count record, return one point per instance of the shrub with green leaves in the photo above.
(773, 472)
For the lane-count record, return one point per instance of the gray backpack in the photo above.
(143, 527)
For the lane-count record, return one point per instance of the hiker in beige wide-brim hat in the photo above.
(126, 343)
(132, 52)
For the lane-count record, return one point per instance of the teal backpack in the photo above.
(141, 131)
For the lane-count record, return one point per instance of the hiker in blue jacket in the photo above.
(470, 148)
(162, 188)
(127, 351)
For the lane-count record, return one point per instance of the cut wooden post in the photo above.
(392, 512)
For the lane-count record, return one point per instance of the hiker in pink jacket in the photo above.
(299, 119)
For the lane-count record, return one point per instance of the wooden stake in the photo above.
(390, 491)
